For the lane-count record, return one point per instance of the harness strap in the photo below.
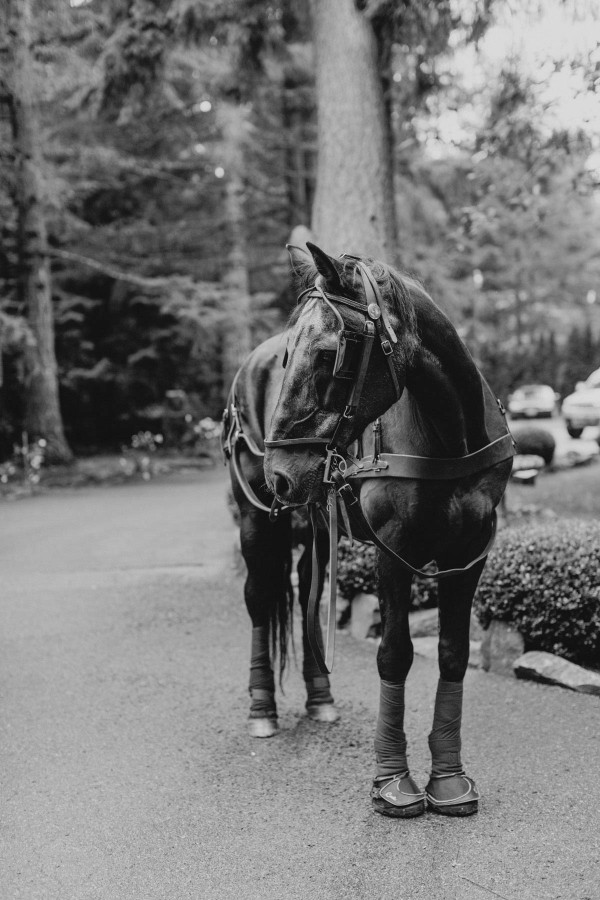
(323, 654)
(364, 523)
(373, 293)
(288, 442)
(233, 438)
(357, 387)
(403, 465)
(239, 474)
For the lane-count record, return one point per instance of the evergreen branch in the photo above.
(109, 271)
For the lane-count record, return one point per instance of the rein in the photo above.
(338, 474)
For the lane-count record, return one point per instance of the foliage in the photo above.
(545, 580)
(26, 465)
(533, 441)
(137, 456)
(131, 102)
(357, 574)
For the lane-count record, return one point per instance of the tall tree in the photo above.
(354, 201)
(42, 410)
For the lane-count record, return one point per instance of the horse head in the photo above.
(349, 342)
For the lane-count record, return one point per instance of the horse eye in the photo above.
(326, 357)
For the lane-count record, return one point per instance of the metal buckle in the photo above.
(386, 347)
(333, 461)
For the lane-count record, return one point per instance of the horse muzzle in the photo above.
(295, 476)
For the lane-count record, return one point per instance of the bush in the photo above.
(532, 441)
(545, 580)
(357, 573)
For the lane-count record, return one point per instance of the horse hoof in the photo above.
(454, 795)
(323, 712)
(262, 728)
(398, 797)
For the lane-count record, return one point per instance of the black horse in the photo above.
(367, 343)
(266, 543)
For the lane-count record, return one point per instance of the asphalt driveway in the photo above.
(127, 771)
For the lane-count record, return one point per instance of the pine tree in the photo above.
(42, 409)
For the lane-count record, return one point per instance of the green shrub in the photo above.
(357, 573)
(532, 441)
(545, 580)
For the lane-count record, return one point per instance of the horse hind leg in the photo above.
(266, 548)
(262, 721)
(319, 699)
(450, 791)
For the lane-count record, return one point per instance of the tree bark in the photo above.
(354, 203)
(237, 338)
(42, 410)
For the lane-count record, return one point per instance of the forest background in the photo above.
(155, 157)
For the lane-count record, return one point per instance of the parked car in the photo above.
(582, 408)
(533, 400)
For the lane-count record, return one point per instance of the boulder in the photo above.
(551, 669)
(500, 647)
(428, 647)
(423, 622)
(476, 631)
(365, 614)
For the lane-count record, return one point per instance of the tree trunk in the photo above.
(42, 410)
(237, 338)
(354, 204)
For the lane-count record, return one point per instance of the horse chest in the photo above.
(423, 514)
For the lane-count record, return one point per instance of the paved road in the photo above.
(126, 768)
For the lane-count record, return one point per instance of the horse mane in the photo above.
(395, 286)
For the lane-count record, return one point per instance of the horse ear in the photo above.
(326, 266)
(300, 258)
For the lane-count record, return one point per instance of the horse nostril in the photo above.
(282, 485)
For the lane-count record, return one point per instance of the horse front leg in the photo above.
(266, 548)
(449, 790)
(319, 699)
(394, 792)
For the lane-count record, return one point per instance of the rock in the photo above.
(426, 646)
(423, 622)
(500, 647)
(476, 632)
(365, 614)
(551, 669)
(475, 654)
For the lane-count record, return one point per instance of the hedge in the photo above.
(533, 441)
(544, 579)
(357, 574)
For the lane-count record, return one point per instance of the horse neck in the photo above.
(445, 393)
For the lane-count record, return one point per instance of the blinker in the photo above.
(347, 356)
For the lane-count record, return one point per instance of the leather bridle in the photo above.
(375, 326)
(341, 468)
